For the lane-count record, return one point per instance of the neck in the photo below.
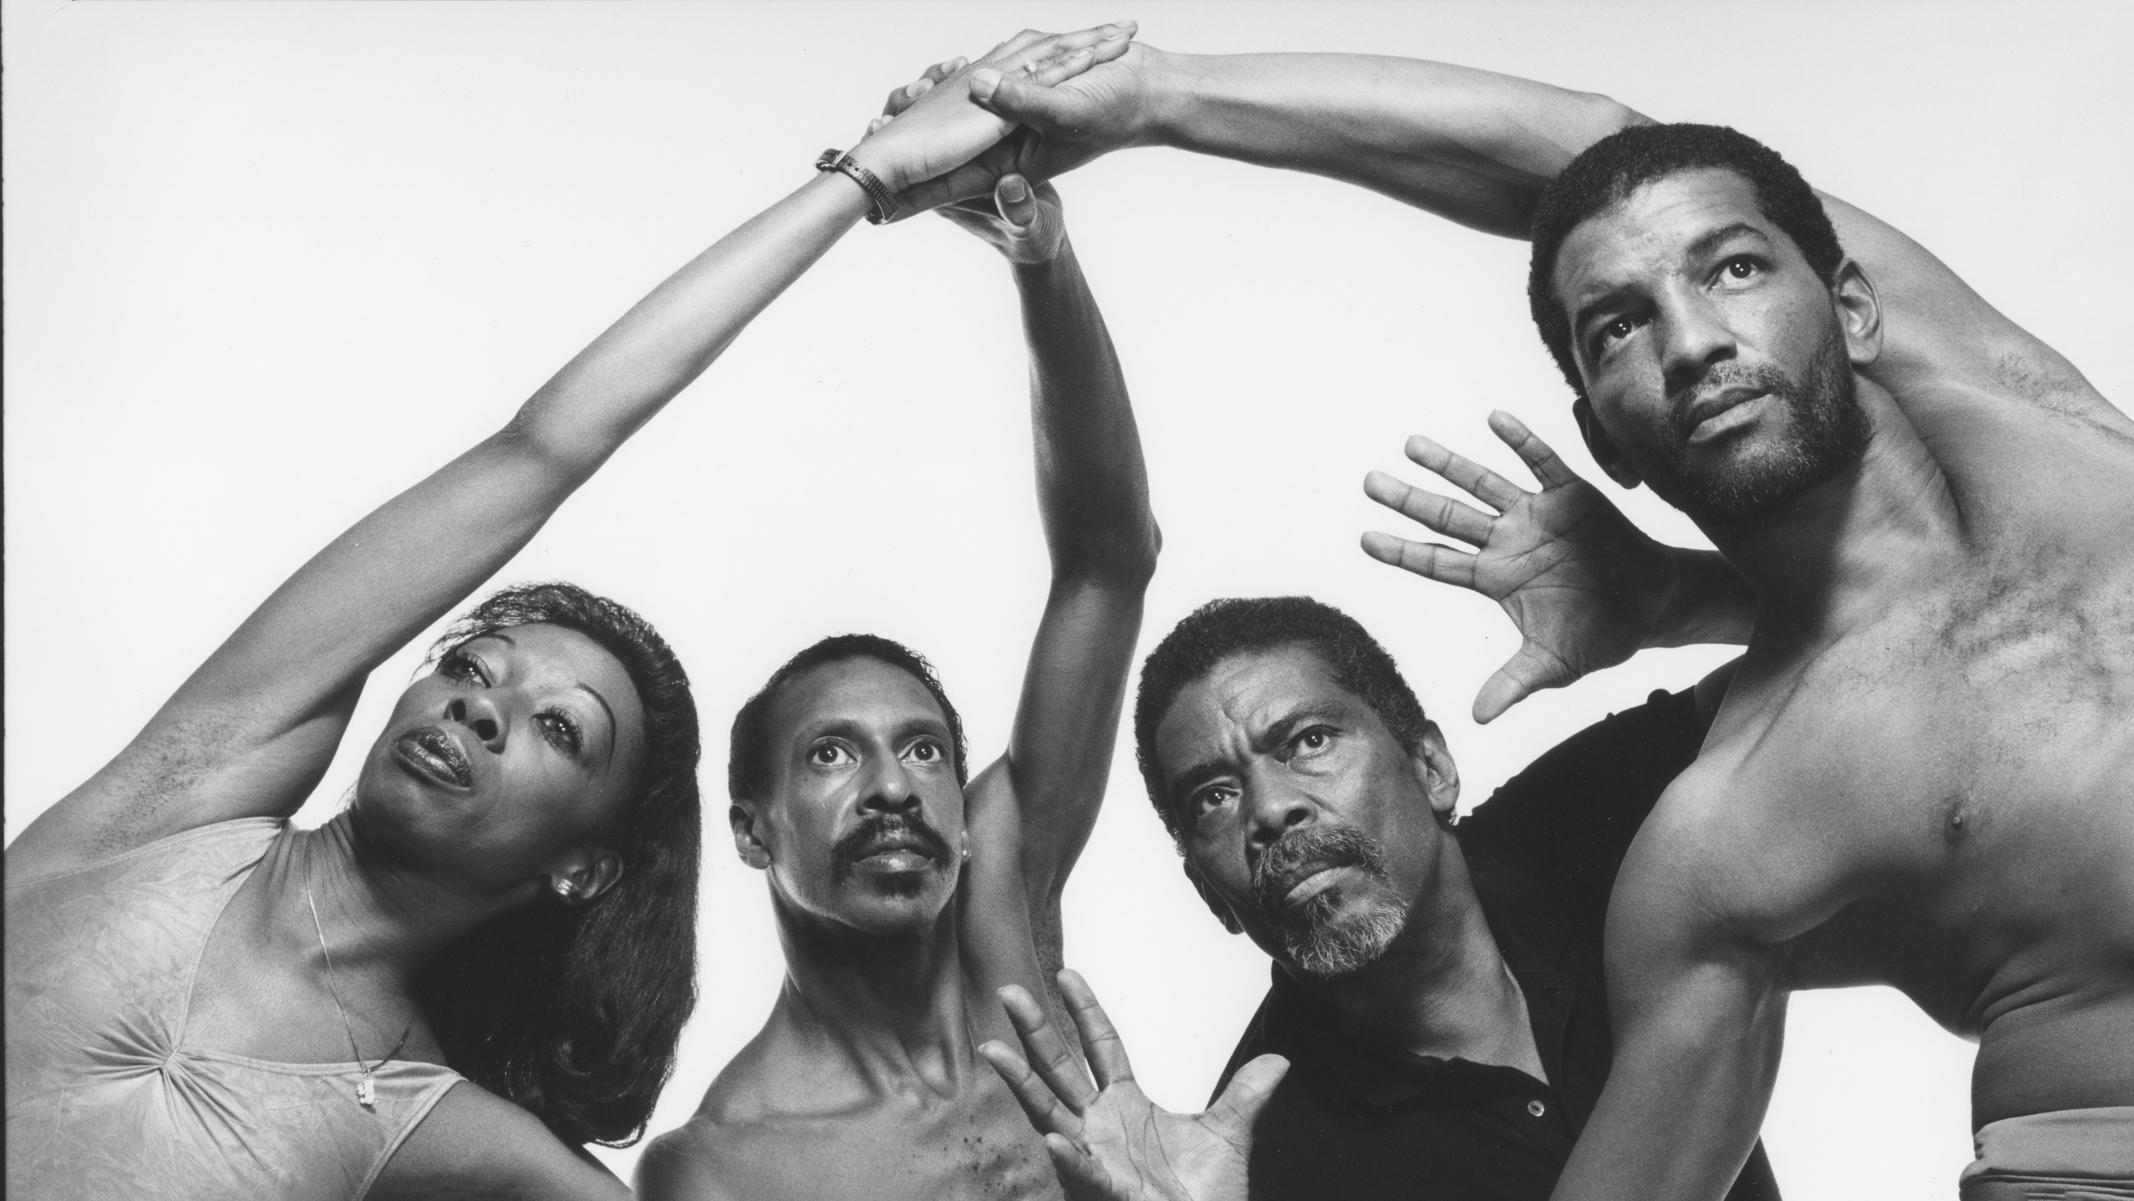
(380, 921)
(1442, 988)
(889, 1003)
(1826, 560)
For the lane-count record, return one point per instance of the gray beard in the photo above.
(1330, 939)
(1828, 433)
(1329, 946)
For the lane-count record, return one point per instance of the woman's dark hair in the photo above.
(748, 758)
(1236, 625)
(1608, 171)
(574, 1013)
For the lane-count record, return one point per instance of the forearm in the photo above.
(613, 386)
(1472, 146)
(1092, 483)
(1709, 603)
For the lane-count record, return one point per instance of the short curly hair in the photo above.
(1233, 625)
(1609, 170)
(748, 760)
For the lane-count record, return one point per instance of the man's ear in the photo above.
(585, 875)
(1859, 311)
(748, 842)
(1440, 775)
(1214, 903)
(1604, 452)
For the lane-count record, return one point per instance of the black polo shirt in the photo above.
(1358, 1120)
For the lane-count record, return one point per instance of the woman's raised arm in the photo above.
(253, 729)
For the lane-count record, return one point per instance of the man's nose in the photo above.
(1695, 336)
(1274, 806)
(889, 788)
(479, 713)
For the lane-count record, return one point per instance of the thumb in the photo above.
(1235, 1111)
(1016, 98)
(1528, 671)
(1016, 200)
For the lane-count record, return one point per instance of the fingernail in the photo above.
(984, 81)
(1015, 190)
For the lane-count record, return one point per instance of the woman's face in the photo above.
(510, 761)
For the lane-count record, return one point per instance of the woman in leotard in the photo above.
(482, 963)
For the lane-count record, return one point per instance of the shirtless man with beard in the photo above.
(905, 900)
(1921, 775)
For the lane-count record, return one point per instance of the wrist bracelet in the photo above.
(882, 203)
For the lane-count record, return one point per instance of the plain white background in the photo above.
(268, 263)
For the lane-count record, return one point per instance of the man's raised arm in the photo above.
(1698, 1004)
(1032, 812)
(1472, 146)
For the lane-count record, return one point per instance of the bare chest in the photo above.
(1945, 798)
(974, 1147)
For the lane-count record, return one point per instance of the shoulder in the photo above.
(692, 1162)
(473, 1142)
(1725, 863)
(1571, 814)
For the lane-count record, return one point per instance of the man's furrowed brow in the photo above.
(1282, 729)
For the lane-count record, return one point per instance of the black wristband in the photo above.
(882, 203)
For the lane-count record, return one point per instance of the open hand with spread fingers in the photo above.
(1585, 587)
(1107, 1139)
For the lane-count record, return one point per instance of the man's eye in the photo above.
(1311, 741)
(827, 754)
(926, 750)
(1613, 332)
(1741, 266)
(1208, 800)
(561, 731)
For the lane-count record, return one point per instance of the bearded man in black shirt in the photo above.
(1437, 986)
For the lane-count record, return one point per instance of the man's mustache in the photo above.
(1307, 849)
(883, 831)
(1763, 377)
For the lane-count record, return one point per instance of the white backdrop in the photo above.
(268, 263)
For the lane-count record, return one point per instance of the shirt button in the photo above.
(1536, 1108)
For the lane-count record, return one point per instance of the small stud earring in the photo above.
(565, 889)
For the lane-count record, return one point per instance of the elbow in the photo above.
(1124, 558)
(1599, 116)
(551, 446)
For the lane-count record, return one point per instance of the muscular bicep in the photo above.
(1067, 724)
(1942, 343)
(1699, 1016)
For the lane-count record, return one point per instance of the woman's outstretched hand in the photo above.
(932, 125)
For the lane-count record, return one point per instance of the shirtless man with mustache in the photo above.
(905, 892)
